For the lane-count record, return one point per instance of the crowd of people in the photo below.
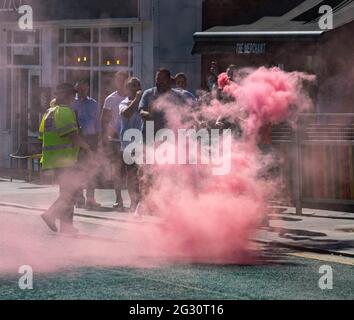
(77, 135)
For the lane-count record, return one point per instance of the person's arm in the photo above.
(129, 109)
(41, 128)
(144, 106)
(97, 118)
(219, 123)
(106, 116)
(79, 142)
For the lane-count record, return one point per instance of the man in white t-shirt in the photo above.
(110, 122)
(130, 119)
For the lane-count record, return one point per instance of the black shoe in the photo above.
(49, 222)
(69, 230)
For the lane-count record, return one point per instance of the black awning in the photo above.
(297, 25)
(253, 42)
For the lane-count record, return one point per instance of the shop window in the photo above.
(115, 35)
(78, 35)
(115, 57)
(78, 56)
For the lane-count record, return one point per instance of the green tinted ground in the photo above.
(292, 278)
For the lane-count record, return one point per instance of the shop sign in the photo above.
(250, 48)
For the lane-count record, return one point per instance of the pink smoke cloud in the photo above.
(203, 218)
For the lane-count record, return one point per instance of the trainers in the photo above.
(49, 222)
(118, 206)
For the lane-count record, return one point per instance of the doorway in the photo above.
(27, 111)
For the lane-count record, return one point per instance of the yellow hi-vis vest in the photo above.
(58, 150)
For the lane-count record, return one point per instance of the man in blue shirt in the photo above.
(148, 108)
(88, 117)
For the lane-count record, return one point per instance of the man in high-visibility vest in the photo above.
(61, 145)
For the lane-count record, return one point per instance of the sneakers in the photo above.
(118, 206)
(50, 222)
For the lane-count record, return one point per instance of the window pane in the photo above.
(106, 84)
(95, 35)
(26, 56)
(115, 57)
(78, 35)
(115, 35)
(78, 56)
(26, 37)
(73, 76)
(95, 56)
(61, 35)
(8, 55)
(61, 56)
(61, 76)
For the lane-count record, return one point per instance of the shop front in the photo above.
(295, 42)
(87, 39)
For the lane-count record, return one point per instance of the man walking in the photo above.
(61, 145)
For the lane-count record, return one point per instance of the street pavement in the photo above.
(293, 250)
